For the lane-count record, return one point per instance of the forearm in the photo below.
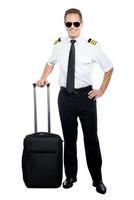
(106, 80)
(47, 70)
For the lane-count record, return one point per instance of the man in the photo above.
(77, 98)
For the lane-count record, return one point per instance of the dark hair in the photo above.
(74, 11)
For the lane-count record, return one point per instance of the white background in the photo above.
(28, 29)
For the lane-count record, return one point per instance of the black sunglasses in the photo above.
(69, 24)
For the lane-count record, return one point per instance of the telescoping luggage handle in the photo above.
(48, 107)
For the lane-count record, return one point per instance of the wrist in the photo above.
(102, 91)
(43, 78)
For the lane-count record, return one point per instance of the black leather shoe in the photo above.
(100, 187)
(69, 182)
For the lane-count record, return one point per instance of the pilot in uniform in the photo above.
(75, 103)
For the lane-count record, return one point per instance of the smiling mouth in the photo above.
(72, 30)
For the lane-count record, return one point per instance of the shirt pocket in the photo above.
(85, 61)
(63, 60)
(85, 65)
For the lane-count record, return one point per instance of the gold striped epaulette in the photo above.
(57, 41)
(93, 42)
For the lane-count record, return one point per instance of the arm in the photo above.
(43, 80)
(106, 79)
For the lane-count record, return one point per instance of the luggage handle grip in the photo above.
(48, 84)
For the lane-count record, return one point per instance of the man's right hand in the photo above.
(41, 83)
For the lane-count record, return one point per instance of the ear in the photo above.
(81, 24)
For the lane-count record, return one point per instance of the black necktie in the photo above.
(71, 68)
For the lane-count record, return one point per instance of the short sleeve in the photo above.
(53, 58)
(101, 58)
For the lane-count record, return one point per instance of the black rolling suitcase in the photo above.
(42, 155)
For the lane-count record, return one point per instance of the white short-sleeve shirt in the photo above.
(86, 54)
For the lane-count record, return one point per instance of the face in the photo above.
(75, 29)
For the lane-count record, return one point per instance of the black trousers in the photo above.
(71, 106)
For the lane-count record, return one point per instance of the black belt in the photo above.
(79, 90)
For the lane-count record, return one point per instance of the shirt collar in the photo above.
(79, 39)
